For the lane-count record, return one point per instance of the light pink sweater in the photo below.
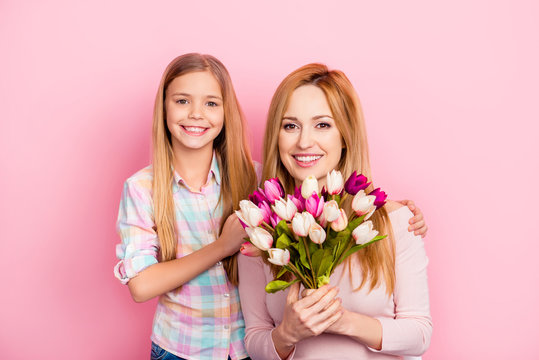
(404, 316)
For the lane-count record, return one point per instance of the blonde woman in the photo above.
(376, 305)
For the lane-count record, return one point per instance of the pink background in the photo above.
(450, 95)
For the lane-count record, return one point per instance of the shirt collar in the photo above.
(214, 171)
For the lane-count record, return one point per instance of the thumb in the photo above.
(293, 293)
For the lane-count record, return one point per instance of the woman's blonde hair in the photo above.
(238, 177)
(377, 261)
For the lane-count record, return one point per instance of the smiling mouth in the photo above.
(306, 160)
(194, 130)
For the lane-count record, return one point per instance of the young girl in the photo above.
(171, 212)
(315, 125)
(175, 216)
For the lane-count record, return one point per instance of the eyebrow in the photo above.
(314, 118)
(188, 95)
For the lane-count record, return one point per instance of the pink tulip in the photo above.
(381, 197)
(249, 249)
(314, 205)
(273, 190)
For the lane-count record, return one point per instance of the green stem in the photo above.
(308, 257)
(299, 274)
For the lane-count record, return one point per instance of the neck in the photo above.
(193, 165)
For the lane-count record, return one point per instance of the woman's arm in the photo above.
(409, 332)
(302, 318)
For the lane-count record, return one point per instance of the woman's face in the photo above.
(309, 141)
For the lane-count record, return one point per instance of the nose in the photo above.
(195, 111)
(306, 139)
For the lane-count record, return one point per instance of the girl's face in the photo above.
(309, 141)
(194, 108)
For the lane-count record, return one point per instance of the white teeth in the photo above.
(307, 158)
(194, 129)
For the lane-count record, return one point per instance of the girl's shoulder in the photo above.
(142, 179)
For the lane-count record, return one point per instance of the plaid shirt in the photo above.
(201, 319)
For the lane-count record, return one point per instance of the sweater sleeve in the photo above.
(258, 322)
(410, 331)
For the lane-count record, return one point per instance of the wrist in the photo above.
(282, 342)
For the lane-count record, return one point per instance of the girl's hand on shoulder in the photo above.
(232, 236)
(417, 223)
(306, 317)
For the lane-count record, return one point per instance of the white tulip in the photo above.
(363, 204)
(279, 256)
(285, 209)
(364, 233)
(260, 238)
(250, 214)
(301, 223)
(341, 222)
(334, 182)
(331, 210)
(317, 234)
(309, 186)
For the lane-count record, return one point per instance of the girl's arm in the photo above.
(410, 331)
(163, 277)
(417, 223)
(138, 252)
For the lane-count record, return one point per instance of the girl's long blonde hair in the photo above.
(238, 177)
(377, 261)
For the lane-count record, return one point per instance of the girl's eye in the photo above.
(289, 126)
(182, 101)
(323, 125)
(212, 104)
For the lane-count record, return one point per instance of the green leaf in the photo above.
(355, 223)
(303, 256)
(282, 228)
(355, 248)
(316, 259)
(278, 285)
(283, 242)
(322, 280)
(281, 272)
(326, 263)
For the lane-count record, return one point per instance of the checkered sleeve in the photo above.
(136, 227)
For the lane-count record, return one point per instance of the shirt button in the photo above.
(226, 295)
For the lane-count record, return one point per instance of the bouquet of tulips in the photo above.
(307, 233)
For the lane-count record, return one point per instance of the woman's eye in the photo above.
(211, 103)
(323, 125)
(289, 126)
(181, 101)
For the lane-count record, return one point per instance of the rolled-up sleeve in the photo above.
(136, 227)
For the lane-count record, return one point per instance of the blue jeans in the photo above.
(159, 353)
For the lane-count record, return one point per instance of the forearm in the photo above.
(169, 275)
(362, 328)
(281, 343)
